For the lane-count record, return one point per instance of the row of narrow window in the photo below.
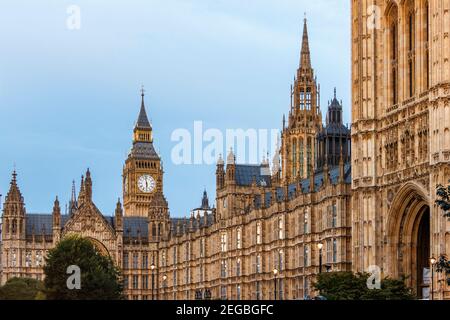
(411, 52)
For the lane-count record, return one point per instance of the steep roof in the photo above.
(142, 121)
(246, 174)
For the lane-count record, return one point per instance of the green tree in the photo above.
(22, 289)
(443, 201)
(349, 286)
(98, 274)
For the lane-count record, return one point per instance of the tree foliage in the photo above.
(99, 276)
(349, 286)
(22, 289)
(443, 200)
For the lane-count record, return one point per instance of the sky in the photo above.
(69, 91)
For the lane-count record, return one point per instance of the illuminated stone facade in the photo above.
(400, 137)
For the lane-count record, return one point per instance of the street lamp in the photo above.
(275, 273)
(152, 267)
(164, 286)
(320, 246)
(433, 262)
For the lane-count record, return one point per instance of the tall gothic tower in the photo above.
(305, 120)
(143, 172)
(400, 137)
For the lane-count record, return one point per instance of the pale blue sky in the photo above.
(69, 98)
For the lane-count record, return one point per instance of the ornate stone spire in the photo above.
(231, 159)
(81, 194)
(119, 216)
(73, 205)
(56, 214)
(305, 55)
(14, 204)
(88, 186)
(142, 120)
(205, 201)
(220, 160)
(14, 194)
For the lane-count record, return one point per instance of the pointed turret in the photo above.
(119, 216)
(88, 186)
(14, 195)
(220, 173)
(305, 55)
(56, 215)
(14, 211)
(142, 121)
(231, 167)
(81, 194)
(205, 201)
(73, 205)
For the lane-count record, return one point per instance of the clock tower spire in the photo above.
(142, 173)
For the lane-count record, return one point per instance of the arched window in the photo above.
(294, 157)
(411, 23)
(14, 226)
(393, 49)
(153, 230)
(258, 233)
(280, 228)
(308, 155)
(301, 146)
(427, 43)
(239, 238)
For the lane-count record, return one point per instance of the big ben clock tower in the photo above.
(142, 173)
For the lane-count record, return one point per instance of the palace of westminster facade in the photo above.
(364, 196)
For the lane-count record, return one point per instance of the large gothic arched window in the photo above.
(410, 27)
(393, 53)
(427, 38)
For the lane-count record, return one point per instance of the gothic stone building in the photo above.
(272, 225)
(400, 136)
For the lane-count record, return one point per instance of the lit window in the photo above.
(239, 238)
(305, 222)
(334, 250)
(238, 268)
(223, 242)
(258, 263)
(280, 228)
(258, 233)
(223, 269)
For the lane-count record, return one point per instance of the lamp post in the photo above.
(433, 262)
(152, 267)
(164, 286)
(275, 273)
(320, 246)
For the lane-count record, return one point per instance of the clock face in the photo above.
(146, 183)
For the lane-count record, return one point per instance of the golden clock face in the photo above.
(146, 183)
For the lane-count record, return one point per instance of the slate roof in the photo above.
(144, 150)
(185, 224)
(42, 223)
(142, 121)
(134, 226)
(245, 174)
(292, 188)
